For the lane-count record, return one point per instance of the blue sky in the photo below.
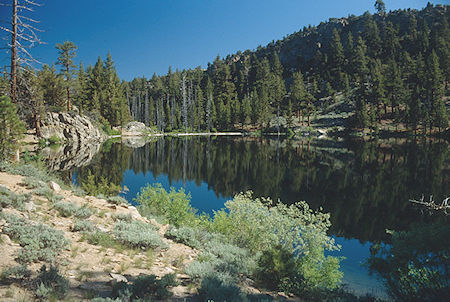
(146, 36)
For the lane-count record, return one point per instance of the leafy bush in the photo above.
(138, 234)
(83, 226)
(39, 241)
(174, 205)
(117, 200)
(50, 283)
(260, 225)
(67, 209)
(146, 287)
(278, 270)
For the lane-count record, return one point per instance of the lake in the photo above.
(365, 186)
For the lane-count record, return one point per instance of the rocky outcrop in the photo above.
(71, 128)
(136, 129)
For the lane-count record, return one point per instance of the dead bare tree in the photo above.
(432, 205)
(24, 36)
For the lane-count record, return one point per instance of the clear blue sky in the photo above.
(146, 36)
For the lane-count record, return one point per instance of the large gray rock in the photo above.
(135, 127)
(70, 127)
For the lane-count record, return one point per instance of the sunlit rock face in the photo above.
(80, 140)
(71, 128)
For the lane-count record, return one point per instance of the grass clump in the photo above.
(138, 234)
(39, 242)
(83, 226)
(67, 209)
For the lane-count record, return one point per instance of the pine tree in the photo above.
(434, 92)
(380, 7)
(66, 53)
(11, 128)
(301, 99)
(52, 87)
(336, 53)
(378, 92)
(81, 98)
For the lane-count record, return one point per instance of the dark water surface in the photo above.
(365, 186)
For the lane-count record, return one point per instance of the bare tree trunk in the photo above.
(14, 53)
(37, 123)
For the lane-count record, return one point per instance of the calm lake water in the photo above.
(366, 186)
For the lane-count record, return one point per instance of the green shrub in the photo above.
(67, 209)
(193, 237)
(83, 226)
(47, 193)
(260, 225)
(123, 217)
(279, 270)
(13, 200)
(213, 288)
(54, 140)
(222, 260)
(33, 183)
(39, 241)
(117, 200)
(174, 205)
(100, 238)
(30, 170)
(17, 272)
(50, 284)
(138, 234)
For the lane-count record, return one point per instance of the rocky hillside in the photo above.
(297, 50)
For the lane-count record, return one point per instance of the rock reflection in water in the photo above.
(68, 157)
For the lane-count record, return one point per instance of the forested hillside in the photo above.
(392, 65)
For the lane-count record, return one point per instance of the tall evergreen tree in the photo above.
(11, 128)
(66, 53)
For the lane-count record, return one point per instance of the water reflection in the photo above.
(364, 185)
